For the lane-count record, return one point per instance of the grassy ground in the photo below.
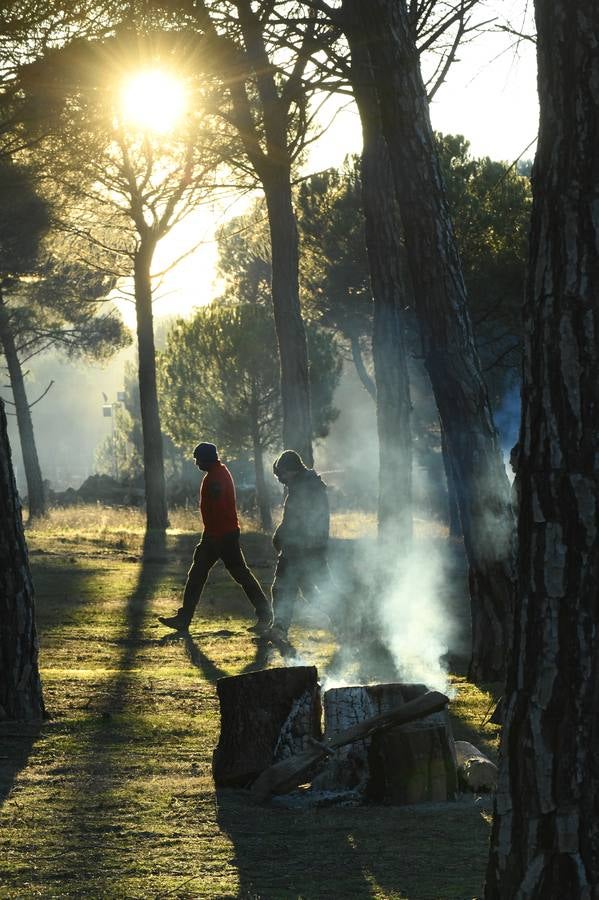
(113, 795)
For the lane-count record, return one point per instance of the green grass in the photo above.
(113, 795)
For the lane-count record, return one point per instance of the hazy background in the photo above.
(489, 97)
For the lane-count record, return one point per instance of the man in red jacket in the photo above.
(220, 540)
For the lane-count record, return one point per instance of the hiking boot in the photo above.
(262, 626)
(278, 634)
(177, 622)
(278, 638)
(264, 622)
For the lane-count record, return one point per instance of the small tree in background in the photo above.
(45, 303)
(123, 186)
(490, 203)
(219, 376)
(335, 277)
(121, 454)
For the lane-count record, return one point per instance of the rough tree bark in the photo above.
(254, 707)
(545, 838)
(155, 487)
(387, 277)
(33, 474)
(20, 685)
(453, 510)
(450, 355)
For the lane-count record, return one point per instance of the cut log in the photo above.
(411, 763)
(288, 773)
(347, 768)
(415, 763)
(475, 770)
(264, 716)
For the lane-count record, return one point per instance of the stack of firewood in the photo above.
(386, 743)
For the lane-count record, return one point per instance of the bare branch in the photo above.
(41, 396)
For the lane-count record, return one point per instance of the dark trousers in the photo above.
(309, 574)
(209, 551)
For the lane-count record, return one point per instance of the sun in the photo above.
(153, 100)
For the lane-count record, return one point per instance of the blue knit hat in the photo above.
(207, 453)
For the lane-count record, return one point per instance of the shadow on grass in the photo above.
(16, 743)
(62, 604)
(197, 658)
(425, 852)
(285, 855)
(261, 658)
(63, 595)
(103, 743)
(153, 561)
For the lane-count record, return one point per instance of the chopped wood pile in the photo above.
(384, 743)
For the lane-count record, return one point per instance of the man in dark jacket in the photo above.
(220, 540)
(301, 539)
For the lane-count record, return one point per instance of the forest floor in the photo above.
(113, 795)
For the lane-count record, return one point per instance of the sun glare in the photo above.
(153, 100)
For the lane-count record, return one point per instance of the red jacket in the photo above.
(217, 502)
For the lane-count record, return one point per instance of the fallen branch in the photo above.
(287, 774)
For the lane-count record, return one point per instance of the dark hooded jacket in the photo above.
(305, 524)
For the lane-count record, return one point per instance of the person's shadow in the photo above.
(197, 658)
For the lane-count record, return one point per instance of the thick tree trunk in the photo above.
(388, 282)
(155, 487)
(291, 334)
(20, 685)
(451, 358)
(262, 493)
(255, 709)
(453, 510)
(358, 359)
(33, 473)
(545, 839)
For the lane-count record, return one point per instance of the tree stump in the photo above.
(264, 716)
(410, 763)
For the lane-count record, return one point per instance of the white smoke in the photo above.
(415, 625)
(394, 624)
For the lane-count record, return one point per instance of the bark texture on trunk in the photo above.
(254, 708)
(20, 685)
(450, 355)
(388, 281)
(155, 487)
(453, 510)
(545, 838)
(35, 486)
(291, 333)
